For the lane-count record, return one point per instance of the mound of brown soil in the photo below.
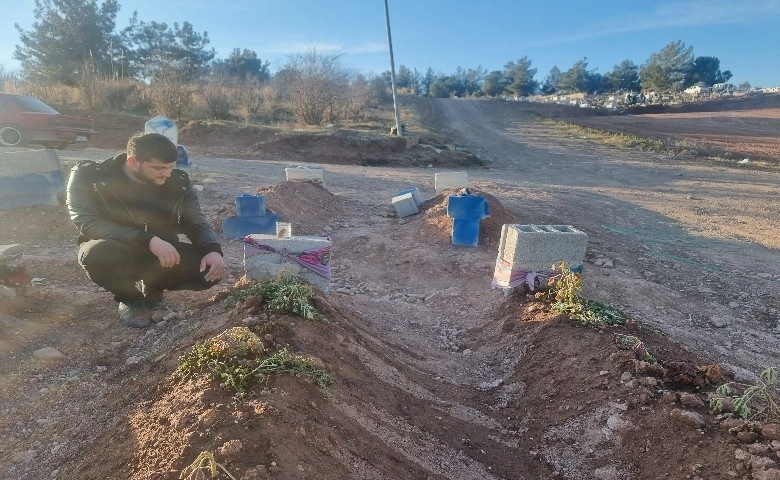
(309, 206)
(433, 221)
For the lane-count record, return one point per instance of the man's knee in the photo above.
(95, 252)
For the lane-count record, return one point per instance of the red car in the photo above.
(27, 120)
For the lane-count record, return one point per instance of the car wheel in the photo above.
(12, 136)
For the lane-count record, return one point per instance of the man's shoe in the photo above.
(153, 299)
(135, 314)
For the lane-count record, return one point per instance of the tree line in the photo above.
(672, 69)
(77, 43)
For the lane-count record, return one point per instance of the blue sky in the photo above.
(443, 35)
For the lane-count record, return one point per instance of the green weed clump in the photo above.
(237, 359)
(563, 291)
(284, 294)
(751, 402)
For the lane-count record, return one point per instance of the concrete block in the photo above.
(240, 227)
(307, 257)
(446, 180)
(535, 248)
(249, 205)
(310, 173)
(26, 160)
(30, 177)
(405, 205)
(415, 194)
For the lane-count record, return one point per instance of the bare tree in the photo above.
(316, 84)
(170, 91)
(249, 99)
(217, 94)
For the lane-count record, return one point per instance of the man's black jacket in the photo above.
(105, 204)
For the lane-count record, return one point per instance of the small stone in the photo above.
(686, 417)
(719, 322)
(690, 400)
(132, 360)
(741, 455)
(603, 373)
(771, 431)
(23, 457)
(48, 353)
(230, 448)
(747, 437)
(101, 368)
(758, 448)
(208, 418)
(733, 304)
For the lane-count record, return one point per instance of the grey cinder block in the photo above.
(535, 248)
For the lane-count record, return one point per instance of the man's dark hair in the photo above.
(144, 146)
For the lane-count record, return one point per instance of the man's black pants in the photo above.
(117, 266)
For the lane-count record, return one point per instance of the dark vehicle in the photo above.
(26, 120)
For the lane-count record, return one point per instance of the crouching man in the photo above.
(129, 211)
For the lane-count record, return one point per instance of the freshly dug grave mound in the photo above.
(434, 223)
(309, 206)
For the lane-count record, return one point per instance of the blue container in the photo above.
(465, 232)
(467, 207)
(249, 205)
(183, 157)
(240, 227)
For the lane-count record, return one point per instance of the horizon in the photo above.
(447, 35)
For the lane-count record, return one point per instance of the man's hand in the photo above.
(215, 264)
(164, 251)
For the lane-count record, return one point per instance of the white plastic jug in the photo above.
(164, 125)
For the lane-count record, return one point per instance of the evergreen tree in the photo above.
(579, 79)
(67, 37)
(624, 76)
(494, 83)
(156, 46)
(706, 70)
(520, 77)
(551, 80)
(243, 65)
(666, 70)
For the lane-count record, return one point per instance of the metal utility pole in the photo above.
(398, 129)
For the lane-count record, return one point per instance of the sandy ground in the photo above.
(437, 376)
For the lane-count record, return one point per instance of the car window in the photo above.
(29, 104)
